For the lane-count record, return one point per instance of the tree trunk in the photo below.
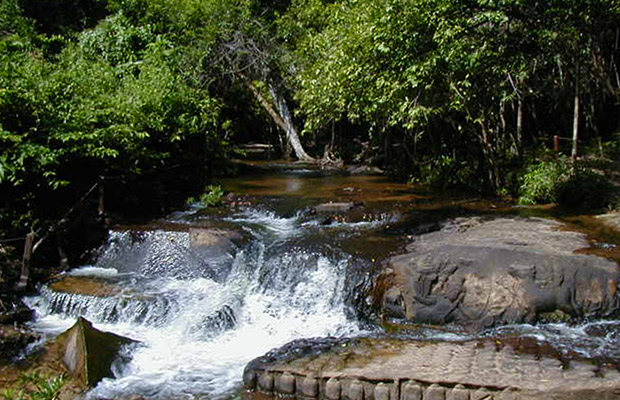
(25, 272)
(289, 127)
(576, 116)
(519, 125)
(282, 118)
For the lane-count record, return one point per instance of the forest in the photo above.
(157, 96)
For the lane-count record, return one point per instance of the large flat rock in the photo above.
(384, 369)
(478, 274)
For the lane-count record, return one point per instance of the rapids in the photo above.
(201, 317)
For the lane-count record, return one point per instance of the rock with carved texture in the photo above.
(480, 274)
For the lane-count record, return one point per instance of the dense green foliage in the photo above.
(447, 92)
(565, 182)
(477, 81)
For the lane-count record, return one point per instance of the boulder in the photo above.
(381, 369)
(13, 341)
(84, 285)
(611, 219)
(478, 274)
(219, 238)
(88, 353)
(335, 208)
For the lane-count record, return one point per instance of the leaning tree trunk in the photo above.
(289, 127)
(282, 118)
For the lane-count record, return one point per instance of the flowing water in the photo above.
(201, 313)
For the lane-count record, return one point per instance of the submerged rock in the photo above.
(88, 353)
(85, 285)
(479, 274)
(330, 208)
(382, 369)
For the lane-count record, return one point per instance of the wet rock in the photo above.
(309, 387)
(217, 246)
(13, 341)
(382, 369)
(84, 285)
(411, 391)
(333, 389)
(265, 382)
(480, 274)
(382, 392)
(458, 393)
(249, 379)
(89, 353)
(285, 384)
(331, 208)
(364, 170)
(204, 237)
(435, 392)
(356, 391)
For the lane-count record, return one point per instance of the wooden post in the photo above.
(556, 143)
(25, 274)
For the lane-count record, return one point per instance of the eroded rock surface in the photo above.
(479, 274)
(611, 219)
(383, 369)
(88, 353)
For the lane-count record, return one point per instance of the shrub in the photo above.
(565, 182)
(36, 387)
(211, 197)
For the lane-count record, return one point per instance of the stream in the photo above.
(201, 313)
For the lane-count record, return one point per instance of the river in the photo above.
(293, 273)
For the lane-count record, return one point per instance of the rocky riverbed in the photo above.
(406, 296)
(472, 274)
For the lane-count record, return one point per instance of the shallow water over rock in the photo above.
(204, 307)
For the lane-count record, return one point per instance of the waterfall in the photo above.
(198, 328)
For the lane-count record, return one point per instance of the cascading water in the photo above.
(197, 326)
(201, 313)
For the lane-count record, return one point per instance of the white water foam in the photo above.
(93, 271)
(197, 333)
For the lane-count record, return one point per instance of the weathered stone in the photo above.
(382, 392)
(434, 392)
(507, 394)
(265, 382)
(249, 379)
(88, 352)
(356, 391)
(486, 367)
(285, 383)
(411, 391)
(333, 389)
(329, 208)
(84, 285)
(480, 274)
(309, 387)
(200, 237)
(481, 394)
(611, 219)
(459, 392)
